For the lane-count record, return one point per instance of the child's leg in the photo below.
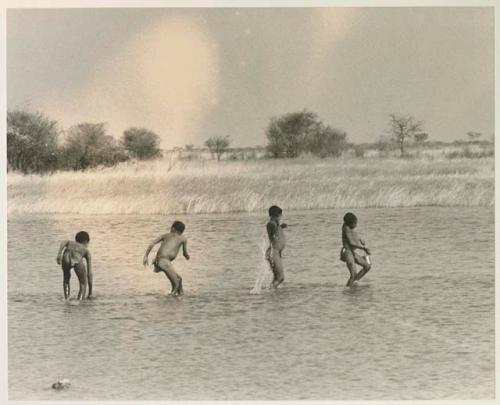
(351, 266)
(277, 268)
(361, 260)
(180, 290)
(66, 268)
(81, 273)
(174, 278)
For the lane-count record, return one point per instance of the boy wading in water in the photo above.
(71, 255)
(352, 242)
(170, 244)
(277, 244)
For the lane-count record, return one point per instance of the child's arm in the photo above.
(61, 249)
(271, 230)
(362, 241)
(148, 250)
(353, 240)
(89, 272)
(184, 249)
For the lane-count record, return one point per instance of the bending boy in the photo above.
(71, 255)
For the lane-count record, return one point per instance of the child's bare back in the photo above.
(74, 253)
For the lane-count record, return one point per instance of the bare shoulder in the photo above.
(81, 248)
(164, 236)
(70, 245)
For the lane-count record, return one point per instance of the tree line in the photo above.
(35, 144)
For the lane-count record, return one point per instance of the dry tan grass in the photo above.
(170, 186)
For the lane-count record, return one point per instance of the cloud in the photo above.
(330, 24)
(164, 79)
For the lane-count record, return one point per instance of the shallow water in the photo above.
(419, 326)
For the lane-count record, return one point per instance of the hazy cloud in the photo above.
(164, 78)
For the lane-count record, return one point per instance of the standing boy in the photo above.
(71, 255)
(351, 242)
(277, 244)
(170, 244)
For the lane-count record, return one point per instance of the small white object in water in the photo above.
(368, 259)
(61, 384)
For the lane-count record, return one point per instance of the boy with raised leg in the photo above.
(170, 244)
(351, 242)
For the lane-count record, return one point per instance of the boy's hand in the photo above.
(283, 226)
(145, 261)
(186, 256)
(368, 251)
(58, 259)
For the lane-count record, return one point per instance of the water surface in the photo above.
(419, 326)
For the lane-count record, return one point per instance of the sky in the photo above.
(191, 74)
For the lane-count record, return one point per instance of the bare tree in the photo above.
(403, 128)
(217, 145)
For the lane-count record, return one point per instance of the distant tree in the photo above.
(189, 147)
(295, 133)
(218, 145)
(287, 135)
(403, 128)
(141, 143)
(326, 141)
(31, 142)
(88, 145)
(421, 137)
(474, 136)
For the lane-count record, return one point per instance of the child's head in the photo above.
(179, 227)
(82, 237)
(275, 211)
(350, 220)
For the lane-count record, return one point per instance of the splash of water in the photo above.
(263, 272)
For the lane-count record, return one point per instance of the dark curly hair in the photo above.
(82, 237)
(350, 219)
(179, 226)
(274, 211)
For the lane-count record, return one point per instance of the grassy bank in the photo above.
(172, 186)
